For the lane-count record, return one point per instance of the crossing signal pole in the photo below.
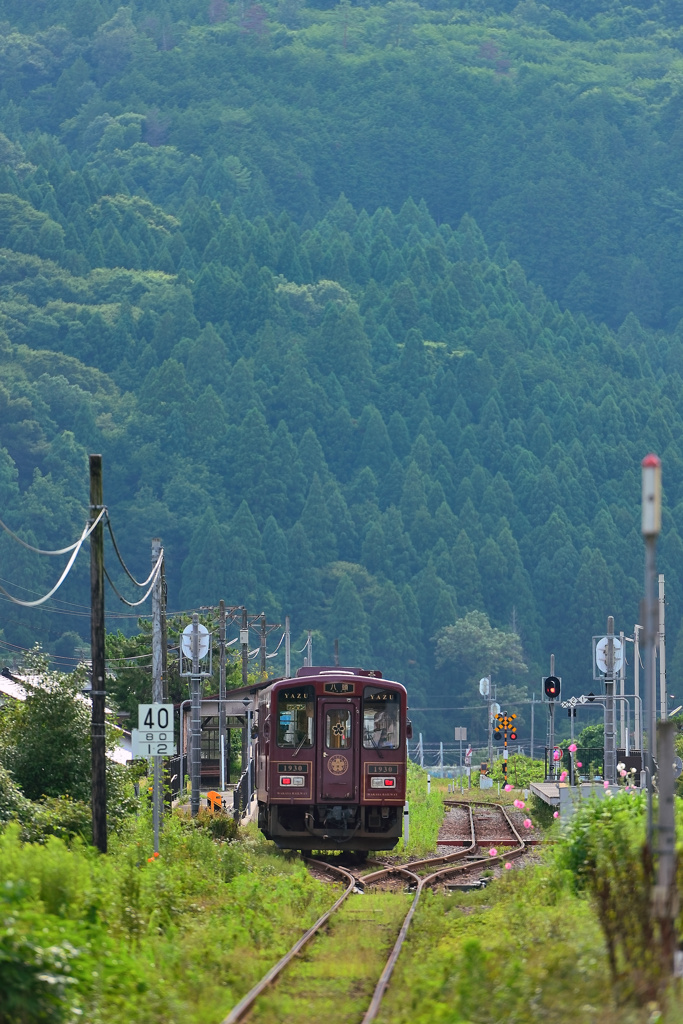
(551, 688)
(506, 723)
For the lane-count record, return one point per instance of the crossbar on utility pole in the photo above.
(97, 634)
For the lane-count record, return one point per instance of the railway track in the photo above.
(479, 828)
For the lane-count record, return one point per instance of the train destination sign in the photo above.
(340, 687)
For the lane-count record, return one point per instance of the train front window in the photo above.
(295, 708)
(338, 729)
(381, 718)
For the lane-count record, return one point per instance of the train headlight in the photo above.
(381, 781)
(292, 780)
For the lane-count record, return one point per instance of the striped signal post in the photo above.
(506, 723)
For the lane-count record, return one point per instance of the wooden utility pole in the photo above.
(157, 686)
(97, 693)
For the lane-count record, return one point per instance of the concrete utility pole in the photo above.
(221, 691)
(157, 686)
(651, 525)
(164, 635)
(610, 733)
(665, 895)
(336, 651)
(97, 693)
(638, 724)
(622, 693)
(263, 645)
(309, 649)
(288, 649)
(244, 643)
(663, 712)
(195, 721)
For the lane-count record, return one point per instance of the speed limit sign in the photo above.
(155, 730)
(155, 717)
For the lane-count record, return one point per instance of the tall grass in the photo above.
(426, 812)
(147, 940)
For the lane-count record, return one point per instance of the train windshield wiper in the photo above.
(372, 740)
(300, 745)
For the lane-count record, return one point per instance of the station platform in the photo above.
(548, 792)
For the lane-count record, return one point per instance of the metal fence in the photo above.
(241, 797)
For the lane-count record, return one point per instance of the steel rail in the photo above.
(240, 1009)
(407, 871)
(436, 876)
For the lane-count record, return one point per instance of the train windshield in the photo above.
(295, 723)
(381, 717)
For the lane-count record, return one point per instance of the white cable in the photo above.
(277, 648)
(134, 604)
(41, 600)
(61, 551)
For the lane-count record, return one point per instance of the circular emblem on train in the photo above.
(338, 764)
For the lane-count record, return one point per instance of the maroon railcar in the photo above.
(331, 760)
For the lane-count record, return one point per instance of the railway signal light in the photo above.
(513, 735)
(551, 686)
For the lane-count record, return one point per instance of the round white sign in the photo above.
(202, 641)
(601, 655)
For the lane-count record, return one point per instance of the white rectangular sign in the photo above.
(155, 717)
(152, 743)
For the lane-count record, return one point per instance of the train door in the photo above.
(338, 749)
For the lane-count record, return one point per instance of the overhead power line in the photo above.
(127, 571)
(155, 572)
(42, 551)
(74, 554)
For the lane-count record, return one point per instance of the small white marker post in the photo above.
(406, 824)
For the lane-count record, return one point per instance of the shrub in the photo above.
(603, 848)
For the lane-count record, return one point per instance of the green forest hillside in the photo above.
(372, 312)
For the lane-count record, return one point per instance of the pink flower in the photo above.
(493, 852)
(508, 866)
(572, 747)
(519, 804)
(579, 764)
(563, 776)
(623, 774)
(606, 785)
(556, 814)
(508, 788)
(557, 755)
(527, 823)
